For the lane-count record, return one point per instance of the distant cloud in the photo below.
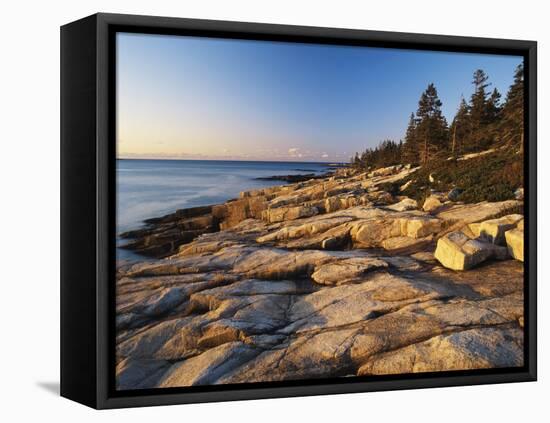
(324, 155)
(294, 152)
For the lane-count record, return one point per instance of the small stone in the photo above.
(454, 194)
(432, 203)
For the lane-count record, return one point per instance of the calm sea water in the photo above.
(150, 188)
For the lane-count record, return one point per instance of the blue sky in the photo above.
(188, 97)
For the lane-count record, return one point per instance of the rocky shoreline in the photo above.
(332, 276)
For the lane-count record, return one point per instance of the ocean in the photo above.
(152, 188)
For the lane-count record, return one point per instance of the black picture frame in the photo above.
(88, 212)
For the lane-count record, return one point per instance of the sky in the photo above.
(183, 97)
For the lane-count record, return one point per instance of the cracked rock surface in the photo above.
(352, 289)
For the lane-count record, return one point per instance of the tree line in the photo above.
(480, 123)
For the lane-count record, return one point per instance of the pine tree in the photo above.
(432, 127)
(410, 146)
(513, 113)
(460, 127)
(478, 113)
(493, 107)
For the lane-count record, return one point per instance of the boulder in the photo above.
(519, 194)
(420, 226)
(493, 230)
(375, 231)
(520, 224)
(458, 252)
(514, 241)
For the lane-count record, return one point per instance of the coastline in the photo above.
(305, 280)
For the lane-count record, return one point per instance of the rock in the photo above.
(208, 367)
(382, 197)
(431, 203)
(372, 232)
(307, 229)
(519, 194)
(473, 230)
(520, 224)
(471, 349)
(493, 230)
(514, 241)
(425, 257)
(281, 214)
(316, 279)
(377, 232)
(420, 226)
(136, 373)
(334, 239)
(404, 263)
(404, 205)
(472, 213)
(346, 271)
(405, 185)
(458, 252)
(402, 244)
(386, 171)
(280, 264)
(431, 178)
(454, 194)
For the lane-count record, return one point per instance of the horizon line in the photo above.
(232, 160)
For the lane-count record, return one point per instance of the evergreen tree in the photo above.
(410, 146)
(513, 113)
(479, 118)
(460, 128)
(432, 127)
(387, 153)
(493, 107)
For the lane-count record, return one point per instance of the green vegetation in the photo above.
(479, 124)
(491, 177)
(388, 153)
